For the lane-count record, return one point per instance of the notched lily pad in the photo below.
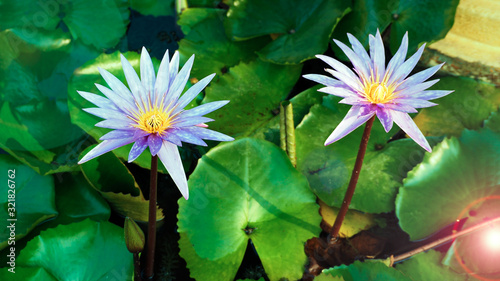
(246, 189)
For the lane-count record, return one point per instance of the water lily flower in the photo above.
(151, 114)
(376, 89)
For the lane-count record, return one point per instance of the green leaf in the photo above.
(403, 16)
(467, 107)
(458, 172)
(85, 250)
(206, 37)
(329, 168)
(107, 173)
(439, 18)
(246, 189)
(107, 26)
(302, 29)
(30, 196)
(427, 267)
(254, 89)
(29, 15)
(493, 123)
(368, 270)
(301, 104)
(154, 7)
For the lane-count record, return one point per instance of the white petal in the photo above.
(356, 117)
(192, 92)
(147, 72)
(405, 122)
(171, 159)
(133, 81)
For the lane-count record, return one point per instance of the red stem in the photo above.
(152, 219)
(334, 233)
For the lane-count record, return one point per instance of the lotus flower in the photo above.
(376, 89)
(151, 114)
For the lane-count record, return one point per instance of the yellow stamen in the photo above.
(154, 120)
(379, 92)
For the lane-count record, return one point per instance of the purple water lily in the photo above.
(151, 114)
(374, 88)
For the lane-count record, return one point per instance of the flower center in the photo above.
(378, 93)
(154, 120)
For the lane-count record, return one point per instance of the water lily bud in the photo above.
(134, 237)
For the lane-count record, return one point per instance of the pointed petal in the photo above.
(169, 156)
(170, 136)
(154, 143)
(138, 147)
(419, 77)
(338, 91)
(106, 113)
(399, 107)
(338, 66)
(405, 122)
(179, 82)
(430, 95)
(133, 81)
(354, 84)
(116, 124)
(325, 80)
(116, 85)
(203, 109)
(104, 147)
(360, 51)
(174, 67)
(377, 54)
(98, 100)
(191, 121)
(357, 62)
(140, 133)
(385, 118)
(163, 78)
(192, 92)
(356, 116)
(355, 100)
(402, 72)
(123, 104)
(410, 92)
(399, 57)
(147, 72)
(415, 103)
(187, 136)
(118, 134)
(208, 134)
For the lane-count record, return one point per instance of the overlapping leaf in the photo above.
(458, 172)
(301, 29)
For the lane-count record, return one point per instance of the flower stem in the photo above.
(137, 267)
(334, 233)
(287, 131)
(152, 219)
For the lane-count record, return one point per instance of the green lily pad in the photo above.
(29, 14)
(458, 172)
(329, 168)
(404, 15)
(107, 173)
(427, 267)
(30, 195)
(86, 250)
(154, 7)
(478, 252)
(206, 37)
(439, 18)
(246, 189)
(108, 24)
(301, 29)
(254, 89)
(467, 107)
(368, 270)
